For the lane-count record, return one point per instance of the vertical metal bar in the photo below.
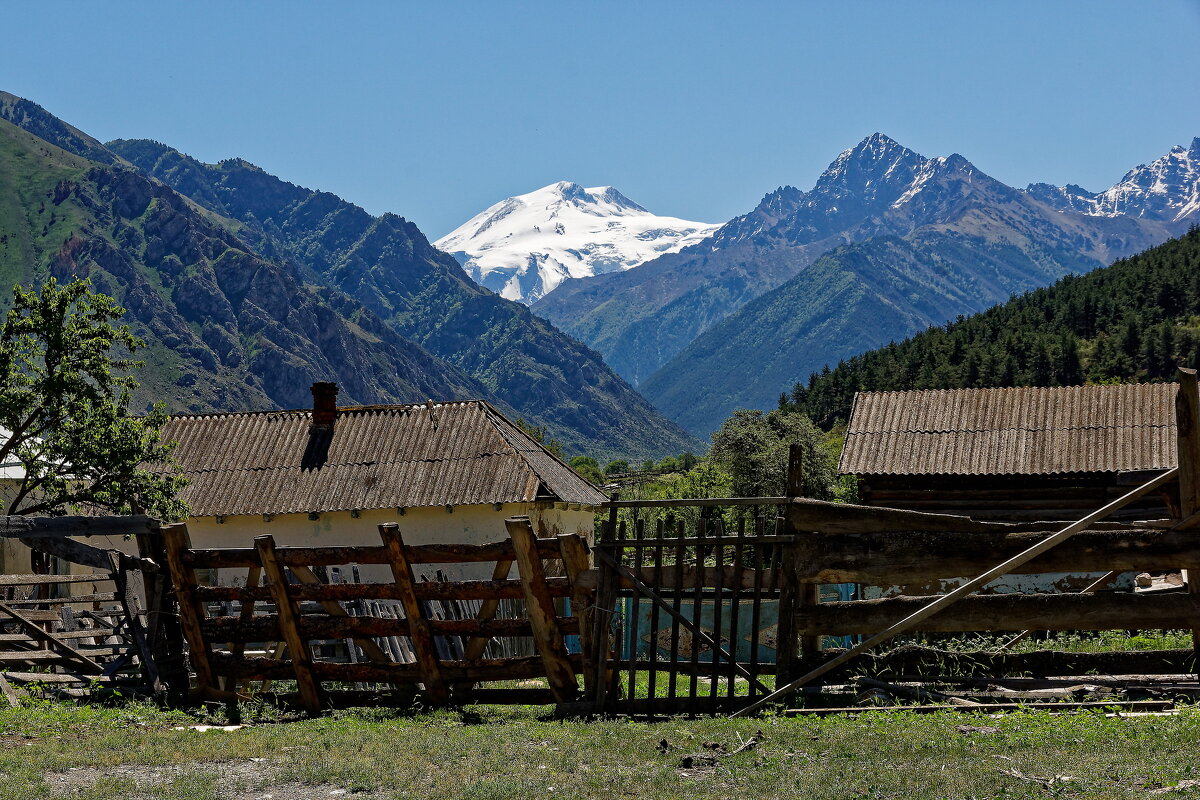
(615, 676)
(718, 585)
(676, 601)
(735, 602)
(635, 607)
(697, 606)
(756, 604)
(652, 683)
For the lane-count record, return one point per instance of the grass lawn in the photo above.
(57, 750)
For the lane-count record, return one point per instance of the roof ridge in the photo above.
(340, 409)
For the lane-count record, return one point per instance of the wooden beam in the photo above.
(288, 614)
(820, 515)
(425, 590)
(990, 708)
(1187, 421)
(35, 631)
(795, 595)
(547, 638)
(919, 557)
(311, 626)
(1004, 612)
(7, 690)
(242, 557)
(575, 558)
(133, 621)
(965, 589)
(191, 609)
(62, 527)
(418, 625)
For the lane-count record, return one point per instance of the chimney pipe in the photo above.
(324, 403)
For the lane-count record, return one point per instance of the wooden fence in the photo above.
(284, 602)
(76, 633)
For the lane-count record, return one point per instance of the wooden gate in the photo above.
(697, 616)
(284, 607)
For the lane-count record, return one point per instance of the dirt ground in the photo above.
(252, 779)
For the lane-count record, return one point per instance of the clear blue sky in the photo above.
(437, 110)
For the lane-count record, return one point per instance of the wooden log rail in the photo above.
(245, 557)
(887, 558)
(1004, 612)
(218, 644)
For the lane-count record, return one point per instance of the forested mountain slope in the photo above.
(642, 319)
(1134, 320)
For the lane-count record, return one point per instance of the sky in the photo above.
(437, 110)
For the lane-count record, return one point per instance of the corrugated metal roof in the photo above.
(1018, 431)
(275, 462)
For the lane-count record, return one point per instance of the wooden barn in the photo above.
(1046, 453)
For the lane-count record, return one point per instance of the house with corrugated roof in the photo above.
(1048, 453)
(446, 472)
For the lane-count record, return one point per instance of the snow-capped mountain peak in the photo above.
(526, 245)
(1166, 189)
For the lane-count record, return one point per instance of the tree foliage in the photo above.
(752, 447)
(64, 402)
(1135, 320)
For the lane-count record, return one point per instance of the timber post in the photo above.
(419, 631)
(574, 551)
(1187, 422)
(191, 611)
(547, 637)
(288, 613)
(794, 596)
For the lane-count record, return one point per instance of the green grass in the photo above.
(486, 752)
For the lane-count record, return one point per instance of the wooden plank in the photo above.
(913, 557)
(38, 633)
(965, 589)
(1004, 612)
(288, 614)
(829, 517)
(191, 611)
(369, 648)
(487, 611)
(60, 527)
(38, 580)
(163, 626)
(990, 708)
(547, 637)
(425, 590)
(133, 622)
(807, 595)
(574, 553)
(494, 669)
(419, 631)
(242, 557)
(266, 627)
(7, 690)
(1187, 421)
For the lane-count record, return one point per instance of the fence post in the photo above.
(419, 631)
(794, 596)
(1187, 421)
(288, 612)
(575, 560)
(546, 634)
(602, 614)
(176, 541)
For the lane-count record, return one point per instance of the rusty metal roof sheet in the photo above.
(275, 462)
(1017, 431)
